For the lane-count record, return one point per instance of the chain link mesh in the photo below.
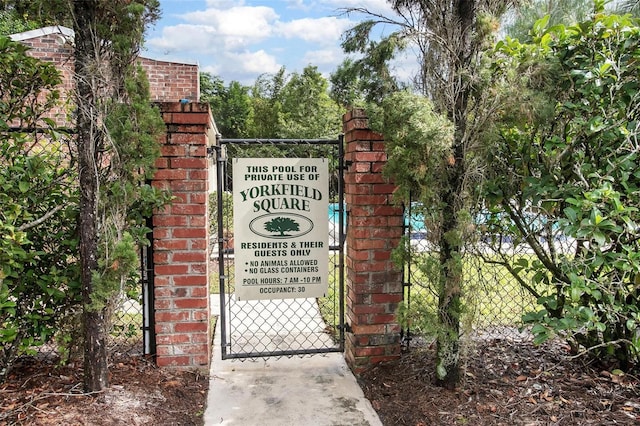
(125, 337)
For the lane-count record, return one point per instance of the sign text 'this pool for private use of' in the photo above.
(280, 227)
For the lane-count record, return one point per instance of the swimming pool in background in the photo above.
(417, 221)
(334, 214)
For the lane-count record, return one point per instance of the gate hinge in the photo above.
(217, 150)
(346, 327)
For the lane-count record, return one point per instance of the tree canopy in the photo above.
(521, 19)
(280, 105)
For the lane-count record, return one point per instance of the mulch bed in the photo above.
(40, 392)
(505, 383)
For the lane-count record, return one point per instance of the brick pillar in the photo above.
(180, 239)
(374, 283)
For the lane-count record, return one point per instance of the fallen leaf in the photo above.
(617, 379)
(521, 378)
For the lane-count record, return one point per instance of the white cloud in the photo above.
(213, 69)
(216, 32)
(251, 24)
(323, 56)
(224, 4)
(325, 30)
(243, 67)
(296, 4)
(240, 39)
(182, 39)
(255, 62)
(405, 67)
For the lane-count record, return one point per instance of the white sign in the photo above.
(281, 227)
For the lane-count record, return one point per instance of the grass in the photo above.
(214, 277)
(491, 296)
(329, 306)
(495, 296)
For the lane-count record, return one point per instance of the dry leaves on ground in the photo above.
(39, 392)
(506, 383)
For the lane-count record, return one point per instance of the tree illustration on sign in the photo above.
(282, 224)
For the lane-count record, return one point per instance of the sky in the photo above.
(242, 39)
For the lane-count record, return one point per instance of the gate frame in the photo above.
(221, 163)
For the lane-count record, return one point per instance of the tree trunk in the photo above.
(95, 354)
(451, 279)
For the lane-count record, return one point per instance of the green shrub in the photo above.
(565, 170)
(39, 285)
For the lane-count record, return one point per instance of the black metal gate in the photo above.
(280, 327)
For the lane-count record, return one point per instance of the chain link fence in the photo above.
(494, 301)
(126, 328)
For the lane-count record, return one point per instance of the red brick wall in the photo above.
(56, 48)
(374, 229)
(172, 81)
(180, 239)
(168, 81)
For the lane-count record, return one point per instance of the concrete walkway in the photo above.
(311, 391)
